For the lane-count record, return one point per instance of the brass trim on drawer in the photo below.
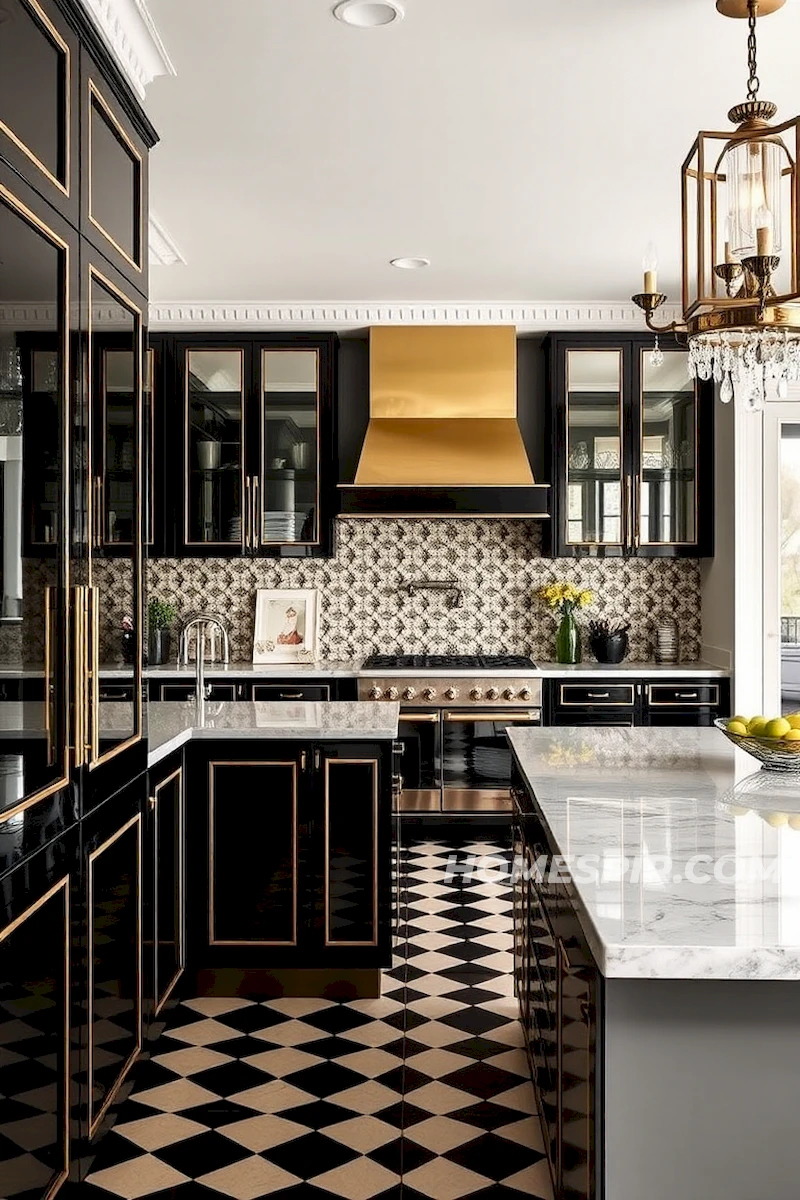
(594, 699)
(684, 698)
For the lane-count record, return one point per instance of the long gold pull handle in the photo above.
(637, 506)
(628, 512)
(48, 686)
(93, 615)
(255, 535)
(418, 718)
(79, 675)
(246, 511)
(497, 715)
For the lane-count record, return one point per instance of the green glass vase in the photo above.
(568, 640)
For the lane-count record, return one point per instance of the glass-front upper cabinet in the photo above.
(214, 481)
(595, 470)
(666, 511)
(286, 504)
(116, 418)
(36, 271)
(631, 449)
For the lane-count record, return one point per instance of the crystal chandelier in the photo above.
(741, 245)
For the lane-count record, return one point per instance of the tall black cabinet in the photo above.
(73, 305)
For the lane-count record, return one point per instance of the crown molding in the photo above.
(161, 248)
(130, 33)
(528, 318)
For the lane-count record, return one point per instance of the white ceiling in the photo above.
(530, 149)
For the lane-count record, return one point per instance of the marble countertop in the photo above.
(635, 670)
(170, 724)
(682, 856)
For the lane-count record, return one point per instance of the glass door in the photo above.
(214, 495)
(116, 494)
(34, 347)
(596, 497)
(790, 566)
(285, 499)
(666, 491)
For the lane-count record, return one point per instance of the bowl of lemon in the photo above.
(774, 741)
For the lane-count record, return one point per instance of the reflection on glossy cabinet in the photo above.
(632, 449)
(166, 875)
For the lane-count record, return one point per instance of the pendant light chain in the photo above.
(753, 83)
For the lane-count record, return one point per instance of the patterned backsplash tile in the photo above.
(362, 611)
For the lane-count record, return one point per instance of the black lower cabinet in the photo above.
(112, 852)
(559, 989)
(164, 900)
(661, 701)
(38, 1035)
(290, 862)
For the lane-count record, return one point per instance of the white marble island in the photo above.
(658, 962)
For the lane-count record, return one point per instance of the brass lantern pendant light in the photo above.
(741, 244)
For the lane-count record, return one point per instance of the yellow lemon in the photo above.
(777, 819)
(792, 735)
(756, 725)
(740, 728)
(794, 822)
(776, 728)
(742, 720)
(794, 720)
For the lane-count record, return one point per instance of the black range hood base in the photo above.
(526, 503)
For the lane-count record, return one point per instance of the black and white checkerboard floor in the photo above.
(423, 1093)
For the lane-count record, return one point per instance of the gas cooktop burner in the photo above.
(449, 662)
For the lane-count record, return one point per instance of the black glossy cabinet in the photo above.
(273, 691)
(250, 418)
(632, 449)
(661, 700)
(300, 875)
(560, 992)
(164, 885)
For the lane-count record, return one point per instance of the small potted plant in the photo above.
(608, 640)
(160, 615)
(565, 598)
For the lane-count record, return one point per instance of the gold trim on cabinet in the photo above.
(476, 800)
(412, 718)
(351, 762)
(696, 474)
(262, 540)
(95, 1120)
(497, 714)
(682, 702)
(96, 94)
(419, 800)
(159, 1004)
(243, 479)
(136, 559)
(40, 16)
(28, 215)
(63, 883)
(621, 427)
(213, 941)
(587, 700)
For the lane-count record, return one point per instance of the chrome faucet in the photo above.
(202, 624)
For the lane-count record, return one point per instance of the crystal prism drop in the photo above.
(726, 390)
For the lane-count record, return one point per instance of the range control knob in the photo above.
(525, 693)
(409, 693)
(492, 693)
(451, 693)
(375, 693)
(391, 693)
(476, 693)
(428, 693)
(509, 694)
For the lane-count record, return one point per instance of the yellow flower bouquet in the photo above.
(565, 598)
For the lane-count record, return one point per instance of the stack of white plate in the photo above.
(666, 641)
(235, 529)
(279, 526)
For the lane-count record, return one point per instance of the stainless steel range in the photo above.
(454, 710)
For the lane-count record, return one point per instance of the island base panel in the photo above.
(329, 984)
(701, 1089)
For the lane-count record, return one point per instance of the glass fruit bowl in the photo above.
(773, 753)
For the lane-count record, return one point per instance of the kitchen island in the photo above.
(657, 951)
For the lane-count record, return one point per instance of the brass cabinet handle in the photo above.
(93, 618)
(255, 525)
(637, 506)
(79, 675)
(598, 695)
(246, 513)
(628, 511)
(303, 760)
(290, 695)
(499, 714)
(419, 718)
(686, 695)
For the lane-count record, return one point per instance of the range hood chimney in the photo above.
(443, 437)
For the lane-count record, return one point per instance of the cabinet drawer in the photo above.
(185, 691)
(595, 695)
(291, 691)
(685, 695)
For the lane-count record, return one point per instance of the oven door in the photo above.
(420, 733)
(476, 759)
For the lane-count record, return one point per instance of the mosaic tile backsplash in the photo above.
(497, 563)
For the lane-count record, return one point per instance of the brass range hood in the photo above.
(443, 437)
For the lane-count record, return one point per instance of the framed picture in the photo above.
(286, 626)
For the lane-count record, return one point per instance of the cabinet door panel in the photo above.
(595, 495)
(35, 1041)
(34, 372)
(287, 504)
(253, 864)
(215, 514)
(115, 179)
(351, 852)
(666, 507)
(169, 898)
(115, 962)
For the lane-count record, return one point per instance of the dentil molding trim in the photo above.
(561, 315)
(131, 34)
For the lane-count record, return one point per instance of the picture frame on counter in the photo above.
(285, 625)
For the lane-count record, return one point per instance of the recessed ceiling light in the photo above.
(410, 264)
(368, 14)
